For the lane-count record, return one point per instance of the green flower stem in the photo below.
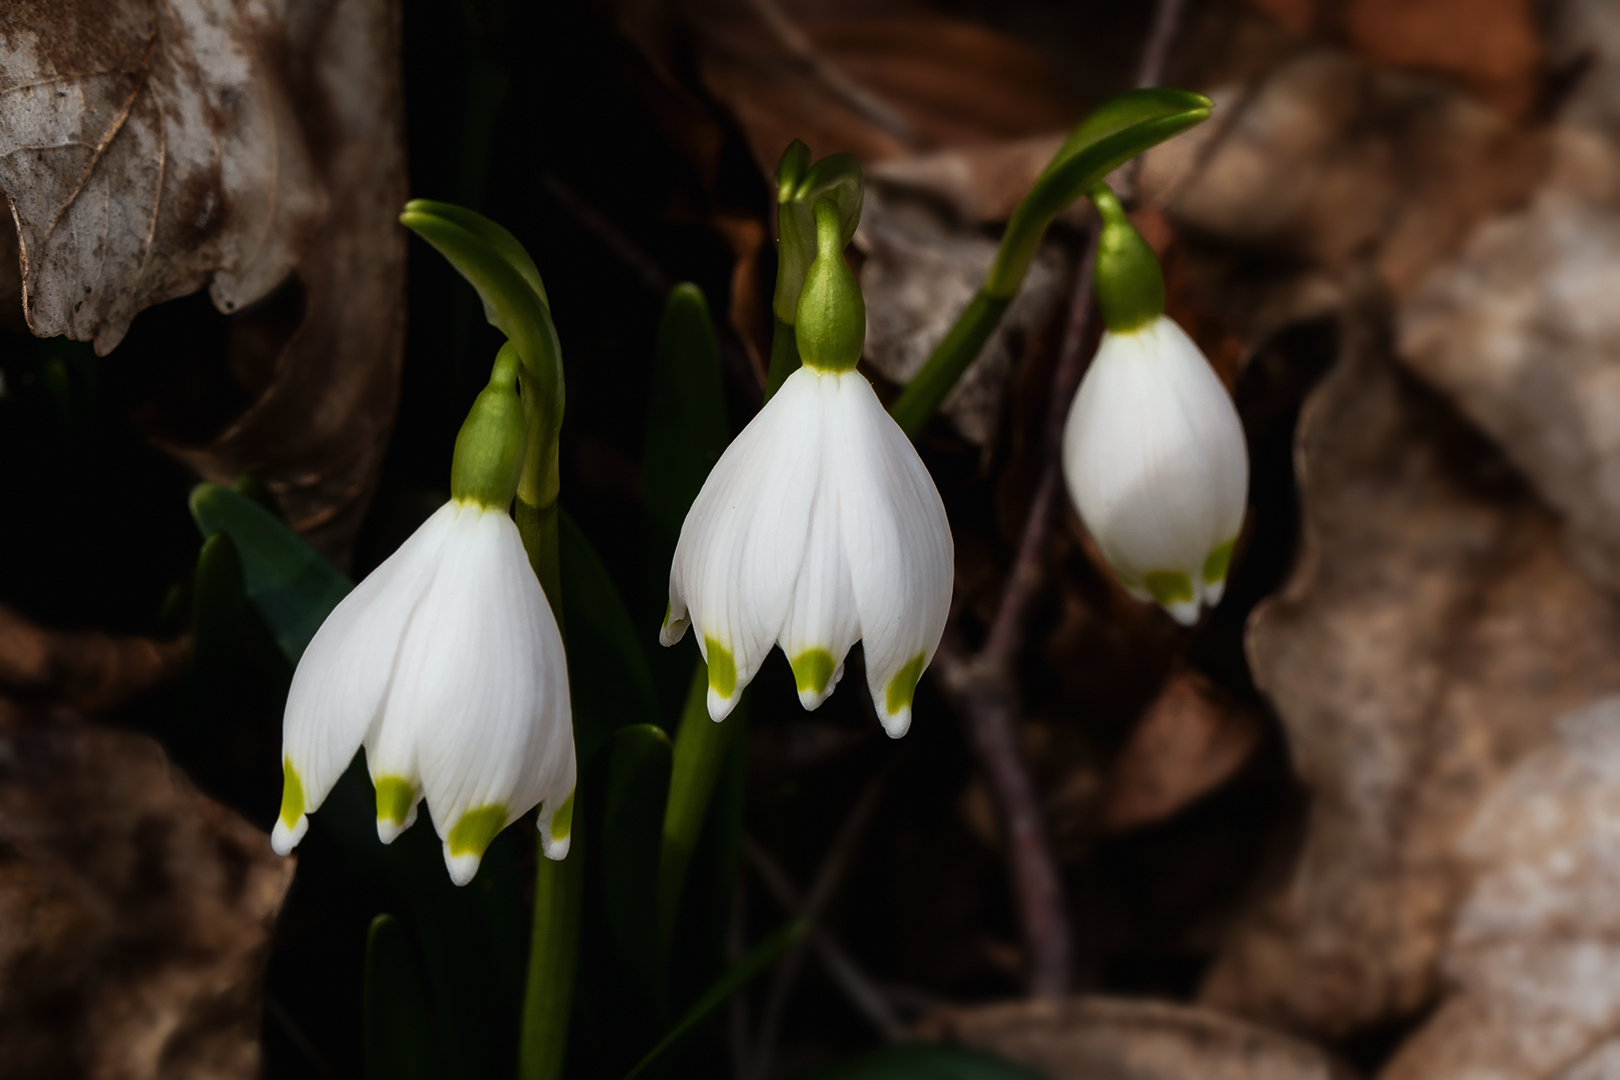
(538, 527)
(784, 356)
(948, 361)
(700, 751)
(1117, 131)
(548, 997)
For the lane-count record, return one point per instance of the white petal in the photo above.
(743, 541)
(898, 545)
(338, 689)
(1155, 460)
(482, 691)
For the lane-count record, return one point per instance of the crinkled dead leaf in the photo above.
(1097, 1038)
(151, 150)
(1431, 633)
(135, 914)
(1521, 330)
(1533, 959)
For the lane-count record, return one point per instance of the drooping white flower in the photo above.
(1155, 460)
(447, 665)
(818, 527)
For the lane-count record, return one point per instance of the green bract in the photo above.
(831, 324)
(489, 448)
(1130, 285)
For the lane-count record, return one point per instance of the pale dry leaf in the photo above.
(1190, 740)
(1533, 959)
(1097, 1038)
(151, 148)
(91, 671)
(1520, 328)
(135, 914)
(1430, 635)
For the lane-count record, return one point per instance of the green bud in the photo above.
(1130, 285)
(800, 187)
(831, 323)
(489, 449)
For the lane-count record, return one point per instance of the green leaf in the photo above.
(607, 670)
(686, 420)
(548, 997)
(638, 784)
(746, 970)
(686, 433)
(292, 586)
(925, 1061)
(398, 1007)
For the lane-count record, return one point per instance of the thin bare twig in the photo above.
(828, 878)
(985, 685)
(862, 992)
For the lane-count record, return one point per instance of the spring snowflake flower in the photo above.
(447, 665)
(1155, 461)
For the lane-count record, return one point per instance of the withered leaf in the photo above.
(1099, 1038)
(150, 149)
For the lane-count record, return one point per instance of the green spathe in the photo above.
(1130, 285)
(476, 829)
(489, 448)
(831, 324)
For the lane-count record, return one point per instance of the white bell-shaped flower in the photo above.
(1155, 460)
(818, 527)
(447, 665)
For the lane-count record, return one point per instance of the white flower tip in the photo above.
(816, 674)
(389, 830)
(462, 867)
(556, 823)
(896, 724)
(1184, 612)
(397, 803)
(673, 629)
(1213, 591)
(284, 839)
(720, 707)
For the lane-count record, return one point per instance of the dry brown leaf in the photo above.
(1520, 329)
(93, 672)
(151, 149)
(1491, 47)
(1534, 956)
(1324, 161)
(1431, 633)
(878, 87)
(921, 269)
(1114, 1039)
(1189, 742)
(135, 914)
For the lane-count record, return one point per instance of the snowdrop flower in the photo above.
(818, 527)
(446, 664)
(1153, 451)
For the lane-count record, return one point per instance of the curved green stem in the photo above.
(1117, 131)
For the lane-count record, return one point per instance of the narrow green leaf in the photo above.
(925, 1061)
(748, 968)
(548, 997)
(638, 784)
(607, 670)
(700, 750)
(497, 238)
(398, 1007)
(292, 586)
(1115, 132)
